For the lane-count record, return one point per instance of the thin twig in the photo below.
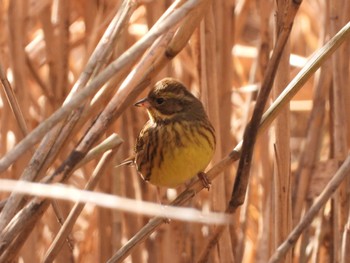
(11, 98)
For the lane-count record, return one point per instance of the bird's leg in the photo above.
(159, 197)
(204, 179)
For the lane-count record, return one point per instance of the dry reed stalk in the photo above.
(264, 244)
(127, 183)
(321, 200)
(293, 87)
(13, 102)
(17, 11)
(5, 109)
(340, 209)
(66, 228)
(224, 35)
(251, 236)
(249, 139)
(42, 154)
(343, 33)
(220, 39)
(56, 37)
(14, 235)
(341, 134)
(282, 188)
(79, 97)
(102, 121)
(208, 73)
(309, 155)
(242, 176)
(12, 207)
(241, 13)
(319, 236)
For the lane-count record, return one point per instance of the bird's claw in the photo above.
(205, 180)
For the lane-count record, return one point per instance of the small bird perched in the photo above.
(178, 141)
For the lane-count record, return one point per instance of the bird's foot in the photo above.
(204, 179)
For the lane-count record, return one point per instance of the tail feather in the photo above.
(128, 161)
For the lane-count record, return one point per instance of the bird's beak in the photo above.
(143, 103)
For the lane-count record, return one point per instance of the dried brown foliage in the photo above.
(70, 71)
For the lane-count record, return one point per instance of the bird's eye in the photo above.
(160, 101)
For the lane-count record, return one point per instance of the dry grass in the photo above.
(70, 71)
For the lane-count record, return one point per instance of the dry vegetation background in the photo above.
(53, 49)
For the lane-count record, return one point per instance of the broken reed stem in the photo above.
(12, 100)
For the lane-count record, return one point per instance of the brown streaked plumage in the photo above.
(178, 141)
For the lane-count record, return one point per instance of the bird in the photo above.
(178, 141)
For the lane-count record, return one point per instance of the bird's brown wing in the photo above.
(141, 144)
(143, 138)
(142, 150)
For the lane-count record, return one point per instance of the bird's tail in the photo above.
(128, 161)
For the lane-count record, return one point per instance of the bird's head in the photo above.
(170, 100)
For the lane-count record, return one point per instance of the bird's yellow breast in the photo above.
(185, 151)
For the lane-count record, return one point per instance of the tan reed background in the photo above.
(50, 50)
